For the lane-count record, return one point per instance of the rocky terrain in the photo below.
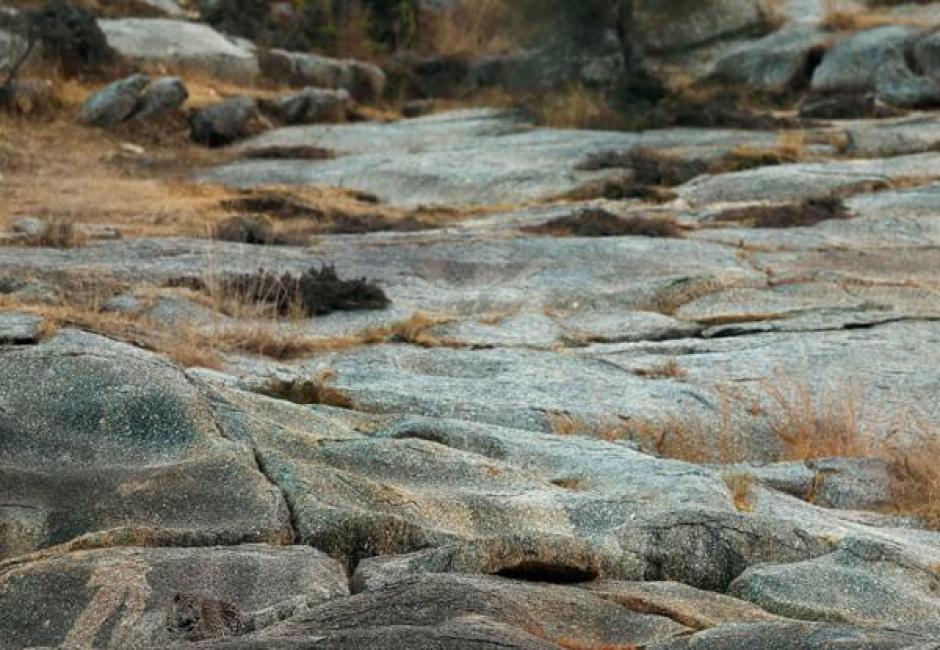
(464, 380)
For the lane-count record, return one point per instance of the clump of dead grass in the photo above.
(57, 233)
(597, 222)
(667, 370)
(842, 17)
(741, 486)
(316, 390)
(791, 215)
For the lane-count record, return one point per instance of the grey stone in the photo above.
(19, 328)
(877, 60)
(32, 226)
(799, 635)
(778, 63)
(465, 612)
(797, 181)
(157, 597)
(223, 123)
(927, 54)
(162, 96)
(182, 44)
(675, 25)
(884, 138)
(103, 442)
(115, 103)
(364, 81)
(876, 583)
(312, 105)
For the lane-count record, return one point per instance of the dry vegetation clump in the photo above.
(316, 292)
(310, 391)
(597, 222)
(844, 17)
(667, 370)
(467, 28)
(792, 215)
(58, 233)
(741, 486)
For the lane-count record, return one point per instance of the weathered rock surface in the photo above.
(162, 96)
(682, 24)
(878, 60)
(17, 327)
(223, 123)
(311, 105)
(364, 81)
(98, 439)
(875, 583)
(463, 157)
(157, 597)
(114, 103)
(778, 63)
(188, 45)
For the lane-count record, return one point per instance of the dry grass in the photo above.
(468, 28)
(574, 107)
(741, 486)
(667, 370)
(312, 391)
(847, 17)
(820, 423)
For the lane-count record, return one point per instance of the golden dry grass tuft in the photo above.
(669, 369)
(741, 486)
(846, 16)
(468, 28)
(819, 423)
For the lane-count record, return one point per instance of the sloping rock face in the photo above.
(462, 157)
(189, 45)
(101, 441)
(676, 25)
(155, 597)
(878, 60)
(501, 478)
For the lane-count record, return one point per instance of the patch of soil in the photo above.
(314, 293)
(596, 222)
(794, 215)
(846, 106)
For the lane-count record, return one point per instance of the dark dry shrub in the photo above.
(70, 38)
(247, 229)
(596, 222)
(793, 215)
(315, 292)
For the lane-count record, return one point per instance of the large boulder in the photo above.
(364, 81)
(182, 44)
(223, 123)
(311, 105)
(162, 96)
(676, 25)
(115, 103)
(877, 582)
(878, 60)
(927, 54)
(778, 63)
(157, 597)
(103, 442)
(464, 613)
